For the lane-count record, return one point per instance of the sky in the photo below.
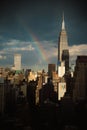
(31, 28)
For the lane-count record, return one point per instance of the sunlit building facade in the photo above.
(61, 90)
(17, 61)
(63, 52)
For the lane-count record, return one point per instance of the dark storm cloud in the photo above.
(24, 21)
(43, 17)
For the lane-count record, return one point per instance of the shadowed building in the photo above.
(65, 58)
(51, 69)
(80, 76)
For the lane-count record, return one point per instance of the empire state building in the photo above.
(63, 52)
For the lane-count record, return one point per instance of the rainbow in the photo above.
(39, 48)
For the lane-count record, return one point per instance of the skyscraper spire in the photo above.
(63, 41)
(63, 52)
(63, 23)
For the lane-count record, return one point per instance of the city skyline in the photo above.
(31, 28)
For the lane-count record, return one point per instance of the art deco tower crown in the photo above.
(62, 42)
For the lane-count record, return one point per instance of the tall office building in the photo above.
(61, 70)
(17, 61)
(63, 52)
(65, 58)
(80, 76)
(51, 69)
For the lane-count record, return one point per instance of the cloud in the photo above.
(1, 37)
(26, 48)
(2, 57)
(51, 50)
(3, 52)
(15, 42)
(16, 45)
(48, 48)
(12, 42)
(77, 50)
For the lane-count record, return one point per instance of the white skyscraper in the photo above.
(63, 42)
(61, 69)
(61, 90)
(17, 61)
